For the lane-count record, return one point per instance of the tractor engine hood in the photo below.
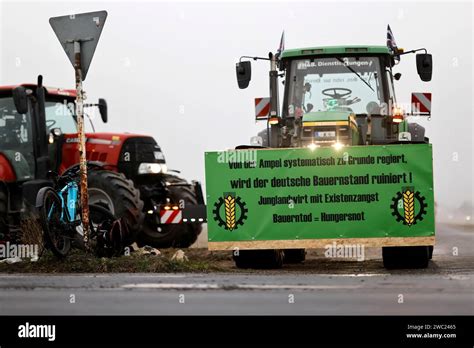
(329, 128)
(311, 118)
(132, 154)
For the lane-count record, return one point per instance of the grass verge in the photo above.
(199, 260)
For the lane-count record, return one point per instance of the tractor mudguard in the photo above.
(18, 164)
(30, 190)
(90, 166)
(40, 196)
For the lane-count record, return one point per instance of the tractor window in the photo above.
(16, 139)
(60, 115)
(335, 84)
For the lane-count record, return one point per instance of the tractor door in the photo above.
(16, 141)
(60, 120)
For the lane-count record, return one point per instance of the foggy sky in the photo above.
(167, 68)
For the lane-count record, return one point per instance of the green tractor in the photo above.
(339, 97)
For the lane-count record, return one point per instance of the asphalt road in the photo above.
(445, 288)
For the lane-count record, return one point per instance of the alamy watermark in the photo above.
(19, 251)
(28, 330)
(349, 251)
(246, 158)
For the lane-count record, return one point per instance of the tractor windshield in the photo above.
(16, 139)
(335, 84)
(60, 115)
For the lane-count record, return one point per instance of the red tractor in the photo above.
(128, 175)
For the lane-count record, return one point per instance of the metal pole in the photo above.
(82, 143)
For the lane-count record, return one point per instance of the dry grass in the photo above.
(31, 232)
(200, 260)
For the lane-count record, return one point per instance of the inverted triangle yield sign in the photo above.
(84, 28)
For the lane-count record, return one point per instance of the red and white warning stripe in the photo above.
(262, 108)
(421, 103)
(171, 216)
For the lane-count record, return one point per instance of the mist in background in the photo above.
(167, 69)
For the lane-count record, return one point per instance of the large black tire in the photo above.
(406, 257)
(172, 235)
(259, 259)
(3, 214)
(294, 255)
(115, 192)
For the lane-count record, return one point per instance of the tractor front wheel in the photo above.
(116, 193)
(430, 250)
(181, 235)
(259, 259)
(295, 255)
(406, 257)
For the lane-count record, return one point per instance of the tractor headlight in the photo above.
(152, 168)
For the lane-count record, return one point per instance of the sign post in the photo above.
(79, 35)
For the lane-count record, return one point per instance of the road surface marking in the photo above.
(356, 275)
(169, 286)
(236, 286)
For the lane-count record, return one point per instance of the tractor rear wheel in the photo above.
(116, 193)
(3, 214)
(172, 235)
(259, 259)
(406, 257)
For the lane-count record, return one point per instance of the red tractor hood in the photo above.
(110, 136)
(100, 147)
(59, 92)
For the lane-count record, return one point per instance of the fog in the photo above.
(167, 68)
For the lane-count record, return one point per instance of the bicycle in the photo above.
(60, 216)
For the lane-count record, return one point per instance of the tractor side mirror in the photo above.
(256, 141)
(20, 98)
(103, 110)
(54, 134)
(424, 65)
(244, 74)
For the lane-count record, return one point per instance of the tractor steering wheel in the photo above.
(335, 94)
(50, 124)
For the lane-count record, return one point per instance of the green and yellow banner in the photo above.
(288, 198)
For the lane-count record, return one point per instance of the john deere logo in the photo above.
(408, 206)
(230, 211)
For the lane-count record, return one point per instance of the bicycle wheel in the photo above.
(55, 230)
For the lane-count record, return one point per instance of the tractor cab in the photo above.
(26, 134)
(330, 94)
(336, 96)
(340, 96)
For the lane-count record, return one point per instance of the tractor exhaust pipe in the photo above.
(42, 162)
(274, 136)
